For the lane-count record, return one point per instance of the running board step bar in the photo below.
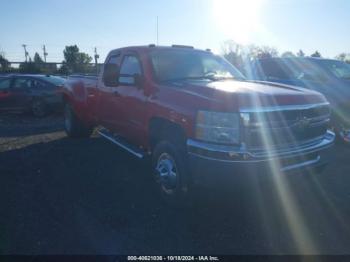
(122, 143)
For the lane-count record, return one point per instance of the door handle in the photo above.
(116, 93)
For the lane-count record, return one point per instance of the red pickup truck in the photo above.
(197, 117)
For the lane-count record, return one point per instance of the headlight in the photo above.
(217, 127)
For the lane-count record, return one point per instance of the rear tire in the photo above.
(169, 165)
(73, 126)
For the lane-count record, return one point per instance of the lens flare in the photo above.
(238, 19)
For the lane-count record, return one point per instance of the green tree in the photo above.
(63, 70)
(37, 59)
(4, 63)
(29, 67)
(301, 53)
(316, 54)
(257, 52)
(241, 56)
(288, 54)
(344, 57)
(75, 61)
(233, 53)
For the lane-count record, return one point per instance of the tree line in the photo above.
(80, 62)
(74, 62)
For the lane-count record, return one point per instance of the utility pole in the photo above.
(25, 52)
(157, 32)
(96, 56)
(44, 53)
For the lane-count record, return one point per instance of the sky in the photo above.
(288, 25)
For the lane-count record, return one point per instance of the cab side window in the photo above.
(129, 68)
(5, 83)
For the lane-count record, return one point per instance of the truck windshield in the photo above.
(172, 65)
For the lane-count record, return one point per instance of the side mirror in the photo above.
(111, 75)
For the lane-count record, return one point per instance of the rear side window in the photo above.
(5, 83)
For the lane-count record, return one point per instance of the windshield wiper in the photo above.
(205, 77)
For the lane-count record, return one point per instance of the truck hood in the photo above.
(237, 95)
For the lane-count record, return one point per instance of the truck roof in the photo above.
(153, 46)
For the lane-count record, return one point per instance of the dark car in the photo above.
(328, 76)
(38, 94)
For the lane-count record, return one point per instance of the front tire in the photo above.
(169, 165)
(73, 126)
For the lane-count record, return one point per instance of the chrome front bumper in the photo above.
(211, 163)
(241, 154)
(304, 155)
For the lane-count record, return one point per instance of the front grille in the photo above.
(286, 127)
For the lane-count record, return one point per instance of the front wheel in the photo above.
(73, 126)
(171, 173)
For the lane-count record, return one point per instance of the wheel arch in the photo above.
(164, 129)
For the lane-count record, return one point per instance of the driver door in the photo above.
(109, 110)
(132, 98)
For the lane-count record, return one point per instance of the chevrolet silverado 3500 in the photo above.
(196, 116)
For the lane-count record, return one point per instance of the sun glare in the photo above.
(238, 20)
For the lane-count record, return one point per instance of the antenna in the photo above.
(25, 52)
(157, 32)
(44, 53)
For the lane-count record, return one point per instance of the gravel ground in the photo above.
(86, 196)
